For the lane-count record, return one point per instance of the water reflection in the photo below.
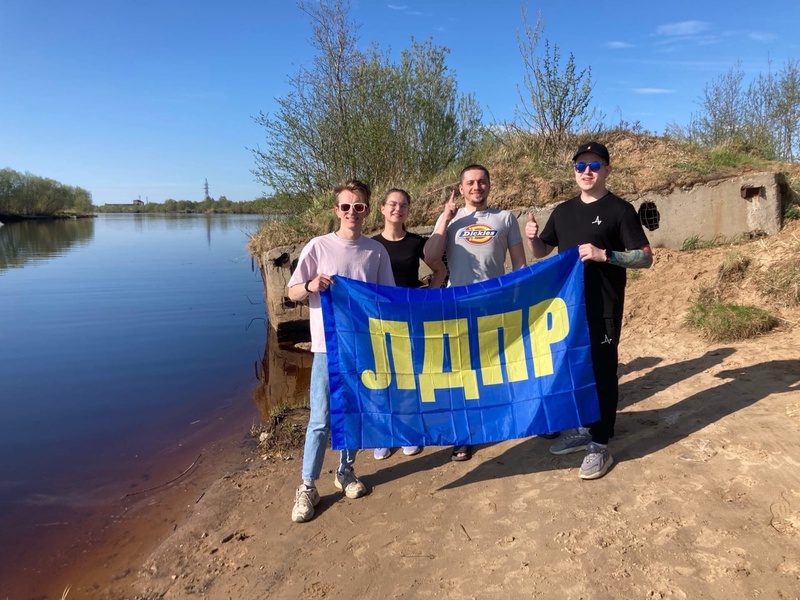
(283, 377)
(189, 222)
(36, 240)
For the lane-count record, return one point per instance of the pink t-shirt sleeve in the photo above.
(306, 265)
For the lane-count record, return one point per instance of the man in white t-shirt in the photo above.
(347, 253)
(476, 239)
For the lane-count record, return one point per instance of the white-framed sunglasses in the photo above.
(358, 207)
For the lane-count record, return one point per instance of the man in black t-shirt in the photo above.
(610, 239)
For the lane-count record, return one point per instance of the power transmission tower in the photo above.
(206, 190)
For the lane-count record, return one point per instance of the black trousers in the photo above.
(604, 340)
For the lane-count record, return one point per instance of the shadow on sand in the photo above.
(640, 433)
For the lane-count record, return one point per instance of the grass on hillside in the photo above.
(724, 322)
(697, 243)
(712, 311)
(282, 232)
(734, 267)
(527, 175)
(781, 283)
(720, 159)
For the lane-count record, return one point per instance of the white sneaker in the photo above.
(381, 453)
(350, 484)
(411, 450)
(305, 499)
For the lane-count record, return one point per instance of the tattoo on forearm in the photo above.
(631, 259)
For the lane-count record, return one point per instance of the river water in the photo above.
(120, 336)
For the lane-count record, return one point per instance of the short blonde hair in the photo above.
(359, 188)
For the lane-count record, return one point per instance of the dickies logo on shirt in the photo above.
(477, 234)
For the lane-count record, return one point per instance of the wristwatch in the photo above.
(608, 256)
(305, 285)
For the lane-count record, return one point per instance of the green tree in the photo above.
(9, 182)
(762, 116)
(787, 111)
(557, 97)
(82, 200)
(27, 195)
(759, 108)
(356, 113)
(724, 104)
(437, 124)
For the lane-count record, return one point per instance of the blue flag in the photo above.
(505, 358)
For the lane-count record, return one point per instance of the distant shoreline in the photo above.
(6, 218)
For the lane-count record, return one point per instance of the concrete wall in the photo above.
(287, 318)
(724, 210)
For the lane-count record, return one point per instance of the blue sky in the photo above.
(151, 98)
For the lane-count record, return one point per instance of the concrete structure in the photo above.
(726, 209)
(283, 379)
(722, 210)
(288, 318)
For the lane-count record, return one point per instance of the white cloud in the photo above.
(682, 28)
(404, 8)
(617, 45)
(653, 91)
(759, 36)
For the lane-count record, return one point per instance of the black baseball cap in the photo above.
(595, 148)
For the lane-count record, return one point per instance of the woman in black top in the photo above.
(405, 252)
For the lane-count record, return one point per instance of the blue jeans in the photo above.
(319, 422)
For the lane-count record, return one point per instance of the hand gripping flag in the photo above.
(501, 359)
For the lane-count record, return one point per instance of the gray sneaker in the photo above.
(574, 442)
(350, 484)
(305, 499)
(596, 463)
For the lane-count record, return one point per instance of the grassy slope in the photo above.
(641, 163)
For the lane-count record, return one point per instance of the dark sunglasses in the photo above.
(594, 166)
(359, 207)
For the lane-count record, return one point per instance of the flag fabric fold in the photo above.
(501, 359)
